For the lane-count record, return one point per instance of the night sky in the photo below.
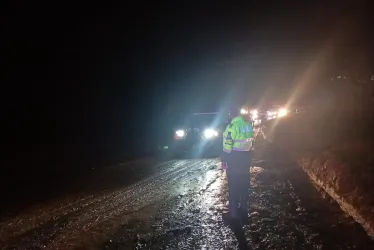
(91, 84)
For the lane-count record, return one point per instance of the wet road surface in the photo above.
(178, 205)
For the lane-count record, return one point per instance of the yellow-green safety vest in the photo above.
(238, 136)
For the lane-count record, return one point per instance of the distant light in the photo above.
(257, 122)
(166, 147)
(180, 133)
(282, 112)
(243, 111)
(271, 114)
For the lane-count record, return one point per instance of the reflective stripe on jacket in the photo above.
(238, 135)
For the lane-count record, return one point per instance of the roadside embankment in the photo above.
(336, 157)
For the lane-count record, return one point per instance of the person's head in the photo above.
(245, 113)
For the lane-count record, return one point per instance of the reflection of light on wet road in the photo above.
(209, 176)
(212, 204)
(212, 185)
(179, 206)
(257, 170)
(196, 178)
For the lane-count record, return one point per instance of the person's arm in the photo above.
(252, 137)
(252, 132)
(228, 141)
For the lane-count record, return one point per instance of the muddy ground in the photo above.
(178, 205)
(337, 154)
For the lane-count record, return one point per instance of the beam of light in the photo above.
(304, 82)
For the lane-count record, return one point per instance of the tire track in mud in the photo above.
(71, 223)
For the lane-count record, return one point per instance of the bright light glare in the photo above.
(254, 113)
(271, 114)
(282, 112)
(243, 111)
(180, 133)
(209, 133)
(257, 121)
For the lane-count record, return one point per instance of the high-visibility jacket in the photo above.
(238, 136)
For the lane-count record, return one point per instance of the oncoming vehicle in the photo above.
(200, 135)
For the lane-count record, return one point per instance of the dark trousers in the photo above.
(237, 172)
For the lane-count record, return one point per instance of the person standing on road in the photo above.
(236, 159)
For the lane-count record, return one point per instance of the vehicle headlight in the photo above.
(282, 112)
(243, 111)
(180, 133)
(210, 133)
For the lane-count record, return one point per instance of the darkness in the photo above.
(87, 85)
